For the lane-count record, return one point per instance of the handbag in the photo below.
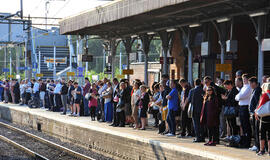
(230, 111)
(190, 110)
(264, 110)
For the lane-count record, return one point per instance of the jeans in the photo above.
(198, 128)
(108, 111)
(1, 92)
(171, 121)
(86, 108)
(245, 124)
(256, 131)
(64, 103)
(223, 125)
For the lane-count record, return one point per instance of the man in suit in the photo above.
(115, 92)
(197, 107)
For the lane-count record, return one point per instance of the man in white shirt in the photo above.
(57, 96)
(35, 94)
(244, 98)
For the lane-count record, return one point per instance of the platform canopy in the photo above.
(128, 17)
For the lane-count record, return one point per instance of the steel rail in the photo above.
(22, 148)
(69, 151)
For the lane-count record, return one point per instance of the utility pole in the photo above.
(86, 45)
(10, 63)
(54, 65)
(5, 60)
(28, 53)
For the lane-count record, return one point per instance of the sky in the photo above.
(56, 8)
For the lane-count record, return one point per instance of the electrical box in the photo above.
(205, 51)
(231, 46)
(266, 45)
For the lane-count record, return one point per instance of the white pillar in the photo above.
(39, 61)
(10, 63)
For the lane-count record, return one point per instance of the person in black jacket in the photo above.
(195, 97)
(64, 92)
(186, 121)
(229, 101)
(254, 101)
(70, 99)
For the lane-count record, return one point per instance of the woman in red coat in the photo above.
(210, 116)
(265, 121)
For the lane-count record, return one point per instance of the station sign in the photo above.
(170, 60)
(72, 74)
(128, 71)
(121, 76)
(39, 75)
(57, 60)
(34, 65)
(223, 67)
(87, 58)
(5, 70)
(80, 72)
(10, 76)
(108, 70)
(22, 68)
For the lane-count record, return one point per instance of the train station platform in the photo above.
(119, 143)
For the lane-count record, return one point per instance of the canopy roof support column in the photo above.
(146, 40)
(128, 46)
(188, 39)
(260, 36)
(165, 38)
(113, 47)
(221, 30)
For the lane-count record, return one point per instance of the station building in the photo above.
(203, 37)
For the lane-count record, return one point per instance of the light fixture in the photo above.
(151, 33)
(194, 25)
(134, 36)
(221, 20)
(171, 29)
(255, 14)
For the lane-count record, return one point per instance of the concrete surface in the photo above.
(119, 143)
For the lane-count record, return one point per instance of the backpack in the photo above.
(264, 110)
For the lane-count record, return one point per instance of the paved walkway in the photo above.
(219, 152)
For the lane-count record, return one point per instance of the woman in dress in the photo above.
(210, 116)
(134, 98)
(143, 106)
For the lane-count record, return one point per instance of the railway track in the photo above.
(37, 147)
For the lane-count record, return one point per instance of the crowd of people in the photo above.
(224, 110)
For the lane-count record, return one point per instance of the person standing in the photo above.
(77, 99)
(71, 88)
(64, 92)
(22, 92)
(108, 108)
(210, 116)
(186, 121)
(86, 89)
(265, 121)
(120, 110)
(93, 102)
(102, 89)
(50, 89)
(115, 99)
(229, 101)
(143, 106)
(57, 96)
(1, 90)
(254, 101)
(195, 98)
(42, 92)
(16, 91)
(244, 98)
(173, 106)
(36, 97)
